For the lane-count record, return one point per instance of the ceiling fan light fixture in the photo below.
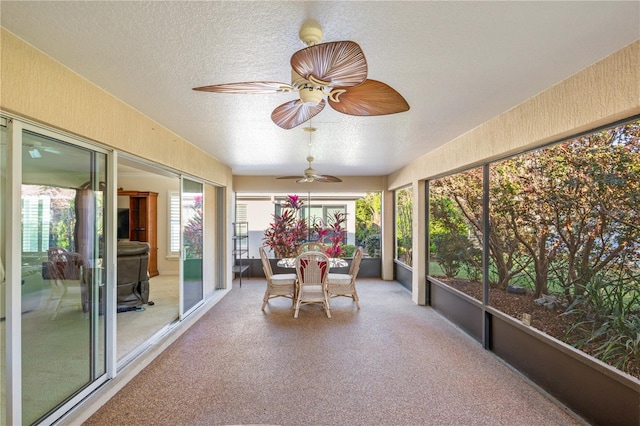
(311, 96)
(34, 153)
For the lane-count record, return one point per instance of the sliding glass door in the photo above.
(192, 220)
(62, 244)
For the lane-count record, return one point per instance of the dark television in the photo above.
(123, 224)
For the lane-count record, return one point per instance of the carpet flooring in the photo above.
(135, 327)
(390, 363)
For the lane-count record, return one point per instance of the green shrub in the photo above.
(607, 316)
(372, 245)
(348, 251)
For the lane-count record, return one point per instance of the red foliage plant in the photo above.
(287, 231)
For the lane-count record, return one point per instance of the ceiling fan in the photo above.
(337, 70)
(310, 175)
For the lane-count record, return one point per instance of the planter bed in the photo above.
(592, 389)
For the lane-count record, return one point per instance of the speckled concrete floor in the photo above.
(390, 363)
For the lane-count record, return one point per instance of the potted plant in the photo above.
(288, 230)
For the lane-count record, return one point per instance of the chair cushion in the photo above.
(312, 293)
(283, 279)
(339, 279)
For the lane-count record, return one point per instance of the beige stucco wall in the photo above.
(603, 93)
(36, 87)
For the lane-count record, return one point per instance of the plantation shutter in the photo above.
(174, 223)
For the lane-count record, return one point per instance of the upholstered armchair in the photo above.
(133, 275)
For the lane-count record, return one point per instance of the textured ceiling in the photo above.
(457, 64)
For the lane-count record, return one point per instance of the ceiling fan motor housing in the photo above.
(310, 32)
(309, 93)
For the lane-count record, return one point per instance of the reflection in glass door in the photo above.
(63, 329)
(192, 214)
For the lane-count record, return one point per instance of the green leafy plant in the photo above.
(372, 245)
(368, 218)
(348, 250)
(608, 317)
(404, 231)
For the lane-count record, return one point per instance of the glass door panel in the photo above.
(63, 330)
(192, 244)
(219, 245)
(4, 139)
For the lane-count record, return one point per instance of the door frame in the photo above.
(13, 322)
(184, 313)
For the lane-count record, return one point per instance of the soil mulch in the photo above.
(549, 321)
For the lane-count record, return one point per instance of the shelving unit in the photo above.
(240, 248)
(143, 222)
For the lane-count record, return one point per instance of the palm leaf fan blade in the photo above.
(258, 87)
(369, 98)
(294, 113)
(288, 177)
(340, 63)
(327, 179)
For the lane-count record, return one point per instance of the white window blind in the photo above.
(174, 223)
(36, 213)
(241, 212)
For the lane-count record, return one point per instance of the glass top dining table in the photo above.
(290, 262)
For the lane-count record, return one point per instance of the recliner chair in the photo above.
(133, 275)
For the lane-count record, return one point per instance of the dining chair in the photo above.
(310, 246)
(345, 284)
(63, 269)
(278, 285)
(312, 268)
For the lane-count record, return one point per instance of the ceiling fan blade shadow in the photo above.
(247, 87)
(370, 98)
(294, 113)
(341, 63)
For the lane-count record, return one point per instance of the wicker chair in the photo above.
(312, 268)
(278, 285)
(311, 246)
(345, 284)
